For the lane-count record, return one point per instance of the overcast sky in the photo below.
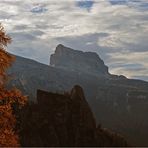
(116, 29)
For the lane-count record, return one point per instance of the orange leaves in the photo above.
(5, 58)
(5, 62)
(8, 138)
(4, 39)
(12, 97)
(8, 98)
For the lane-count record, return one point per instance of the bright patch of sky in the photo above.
(38, 8)
(85, 4)
(118, 2)
(139, 4)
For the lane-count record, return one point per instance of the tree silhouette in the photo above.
(8, 98)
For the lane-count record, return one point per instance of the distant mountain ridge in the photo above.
(117, 102)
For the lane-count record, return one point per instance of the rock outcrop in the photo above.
(117, 102)
(64, 120)
(74, 60)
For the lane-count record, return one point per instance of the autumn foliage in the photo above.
(8, 98)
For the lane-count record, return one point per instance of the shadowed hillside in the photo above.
(117, 102)
(64, 120)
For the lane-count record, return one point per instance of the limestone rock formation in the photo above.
(74, 60)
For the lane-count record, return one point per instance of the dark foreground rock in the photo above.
(64, 120)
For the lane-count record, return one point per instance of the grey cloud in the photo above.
(142, 77)
(106, 29)
(20, 27)
(86, 42)
(134, 67)
(22, 37)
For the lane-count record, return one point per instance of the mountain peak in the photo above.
(75, 60)
(60, 46)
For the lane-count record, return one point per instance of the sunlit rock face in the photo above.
(74, 60)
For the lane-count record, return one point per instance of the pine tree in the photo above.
(8, 98)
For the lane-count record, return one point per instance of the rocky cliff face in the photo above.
(117, 102)
(64, 120)
(74, 60)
